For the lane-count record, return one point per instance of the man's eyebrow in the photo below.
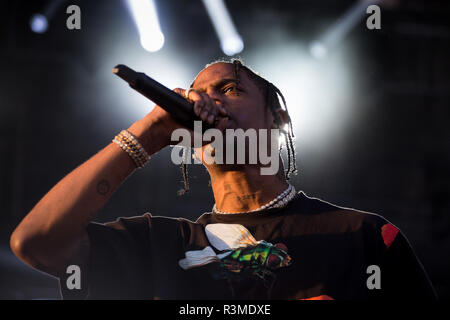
(219, 83)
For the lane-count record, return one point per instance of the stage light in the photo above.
(232, 45)
(38, 23)
(318, 93)
(231, 42)
(337, 31)
(318, 50)
(147, 23)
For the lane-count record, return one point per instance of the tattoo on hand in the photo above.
(103, 187)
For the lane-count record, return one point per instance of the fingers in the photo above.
(180, 91)
(206, 108)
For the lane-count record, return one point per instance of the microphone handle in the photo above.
(178, 107)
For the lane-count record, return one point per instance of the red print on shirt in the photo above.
(388, 232)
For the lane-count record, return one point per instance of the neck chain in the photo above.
(280, 201)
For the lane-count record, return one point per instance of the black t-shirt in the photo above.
(309, 249)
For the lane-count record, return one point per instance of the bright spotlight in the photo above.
(338, 30)
(232, 45)
(230, 41)
(147, 23)
(38, 23)
(153, 42)
(318, 50)
(319, 94)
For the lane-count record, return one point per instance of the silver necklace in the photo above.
(280, 201)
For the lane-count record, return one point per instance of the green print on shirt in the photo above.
(238, 256)
(257, 261)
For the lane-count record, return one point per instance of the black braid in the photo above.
(271, 94)
(184, 171)
(290, 138)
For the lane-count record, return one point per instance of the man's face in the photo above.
(244, 102)
(246, 109)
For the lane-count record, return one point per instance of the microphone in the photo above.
(178, 107)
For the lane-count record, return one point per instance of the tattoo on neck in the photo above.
(246, 196)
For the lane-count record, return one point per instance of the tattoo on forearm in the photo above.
(103, 187)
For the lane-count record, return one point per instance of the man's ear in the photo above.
(283, 117)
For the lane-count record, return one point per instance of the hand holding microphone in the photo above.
(205, 108)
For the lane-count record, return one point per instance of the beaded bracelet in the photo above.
(133, 144)
(133, 147)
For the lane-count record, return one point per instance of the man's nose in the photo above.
(216, 97)
(218, 102)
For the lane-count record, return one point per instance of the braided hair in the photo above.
(271, 93)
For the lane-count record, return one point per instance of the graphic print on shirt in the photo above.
(239, 254)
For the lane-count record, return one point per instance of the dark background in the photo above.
(372, 135)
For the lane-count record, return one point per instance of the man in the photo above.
(263, 240)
